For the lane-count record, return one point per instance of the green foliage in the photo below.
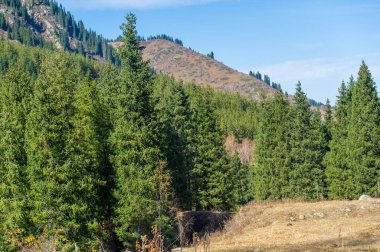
(328, 120)
(244, 180)
(165, 37)
(174, 116)
(306, 178)
(272, 152)
(211, 55)
(290, 146)
(338, 175)
(94, 155)
(353, 162)
(363, 139)
(141, 178)
(63, 154)
(213, 177)
(97, 150)
(89, 43)
(235, 115)
(15, 90)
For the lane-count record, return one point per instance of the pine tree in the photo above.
(306, 178)
(136, 158)
(15, 91)
(363, 139)
(272, 152)
(174, 114)
(85, 162)
(338, 176)
(328, 120)
(244, 180)
(213, 177)
(63, 154)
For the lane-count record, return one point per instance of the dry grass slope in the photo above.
(299, 226)
(189, 66)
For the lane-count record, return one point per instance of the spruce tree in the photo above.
(63, 155)
(244, 180)
(15, 93)
(213, 179)
(86, 162)
(306, 178)
(140, 180)
(174, 115)
(328, 120)
(272, 152)
(363, 141)
(338, 175)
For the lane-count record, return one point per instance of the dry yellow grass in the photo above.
(300, 226)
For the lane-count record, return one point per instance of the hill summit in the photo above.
(187, 65)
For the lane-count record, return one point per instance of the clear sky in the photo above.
(317, 42)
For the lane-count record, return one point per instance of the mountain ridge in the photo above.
(187, 65)
(46, 23)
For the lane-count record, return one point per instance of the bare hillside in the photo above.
(184, 64)
(299, 226)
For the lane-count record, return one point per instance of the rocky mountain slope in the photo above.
(46, 23)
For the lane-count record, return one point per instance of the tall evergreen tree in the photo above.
(363, 139)
(272, 152)
(213, 177)
(306, 178)
(62, 151)
(15, 93)
(136, 154)
(174, 114)
(338, 176)
(86, 160)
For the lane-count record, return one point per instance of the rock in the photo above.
(347, 210)
(319, 214)
(301, 217)
(292, 219)
(365, 197)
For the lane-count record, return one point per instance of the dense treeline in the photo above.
(277, 86)
(90, 152)
(86, 42)
(298, 156)
(92, 156)
(166, 37)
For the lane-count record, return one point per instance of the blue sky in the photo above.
(318, 42)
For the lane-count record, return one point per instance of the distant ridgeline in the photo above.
(160, 36)
(277, 86)
(21, 24)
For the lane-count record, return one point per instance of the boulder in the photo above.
(365, 197)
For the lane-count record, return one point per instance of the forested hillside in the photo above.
(47, 24)
(93, 155)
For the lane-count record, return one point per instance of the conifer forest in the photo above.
(93, 154)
